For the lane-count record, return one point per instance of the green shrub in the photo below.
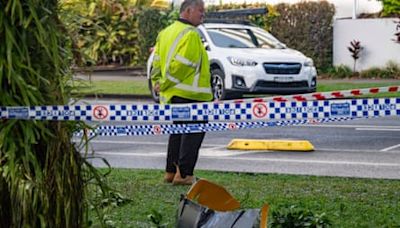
(307, 27)
(373, 72)
(391, 7)
(341, 71)
(42, 173)
(151, 22)
(390, 71)
(104, 30)
(393, 68)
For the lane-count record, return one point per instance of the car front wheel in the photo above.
(218, 86)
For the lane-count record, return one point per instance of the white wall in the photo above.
(376, 37)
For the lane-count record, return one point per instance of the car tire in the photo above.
(218, 86)
(155, 95)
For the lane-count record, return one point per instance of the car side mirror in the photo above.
(206, 46)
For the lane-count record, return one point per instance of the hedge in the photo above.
(307, 27)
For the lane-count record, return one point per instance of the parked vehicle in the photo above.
(245, 59)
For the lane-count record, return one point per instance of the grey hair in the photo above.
(189, 3)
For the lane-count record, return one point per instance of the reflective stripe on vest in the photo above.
(195, 86)
(171, 51)
(186, 61)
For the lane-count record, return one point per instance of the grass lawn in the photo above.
(327, 86)
(347, 202)
(140, 87)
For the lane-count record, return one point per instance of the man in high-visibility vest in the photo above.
(181, 74)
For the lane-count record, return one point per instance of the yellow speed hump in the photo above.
(273, 145)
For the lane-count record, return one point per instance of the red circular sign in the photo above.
(260, 110)
(157, 129)
(100, 112)
(232, 126)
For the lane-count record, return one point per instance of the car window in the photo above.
(231, 38)
(243, 38)
(266, 40)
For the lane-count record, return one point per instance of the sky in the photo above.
(344, 8)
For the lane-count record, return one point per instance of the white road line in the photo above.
(128, 154)
(377, 129)
(390, 148)
(218, 150)
(352, 150)
(206, 152)
(318, 162)
(321, 162)
(127, 142)
(141, 142)
(352, 126)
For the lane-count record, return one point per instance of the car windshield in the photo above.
(243, 38)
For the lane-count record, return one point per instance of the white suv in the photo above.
(245, 59)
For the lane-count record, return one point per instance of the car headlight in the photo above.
(242, 62)
(309, 62)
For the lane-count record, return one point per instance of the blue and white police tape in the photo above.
(245, 111)
(161, 129)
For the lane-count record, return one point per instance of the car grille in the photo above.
(282, 68)
(268, 84)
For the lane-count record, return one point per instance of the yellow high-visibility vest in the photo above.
(180, 64)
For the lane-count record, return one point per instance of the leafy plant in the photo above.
(298, 217)
(355, 49)
(104, 30)
(44, 179)
(341, 71)
(151, 22)
(156, 218)
(390, 7)
(41, 171)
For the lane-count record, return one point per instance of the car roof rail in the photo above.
(236, 13)
(227, 21)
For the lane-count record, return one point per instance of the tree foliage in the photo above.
(391, 7)
(106, 31)
(307, 27)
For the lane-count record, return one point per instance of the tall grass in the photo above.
(42, 175)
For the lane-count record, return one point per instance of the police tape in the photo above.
(323, 95)
(242, 111)
(162, 129)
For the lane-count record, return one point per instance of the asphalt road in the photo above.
(367, 148)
